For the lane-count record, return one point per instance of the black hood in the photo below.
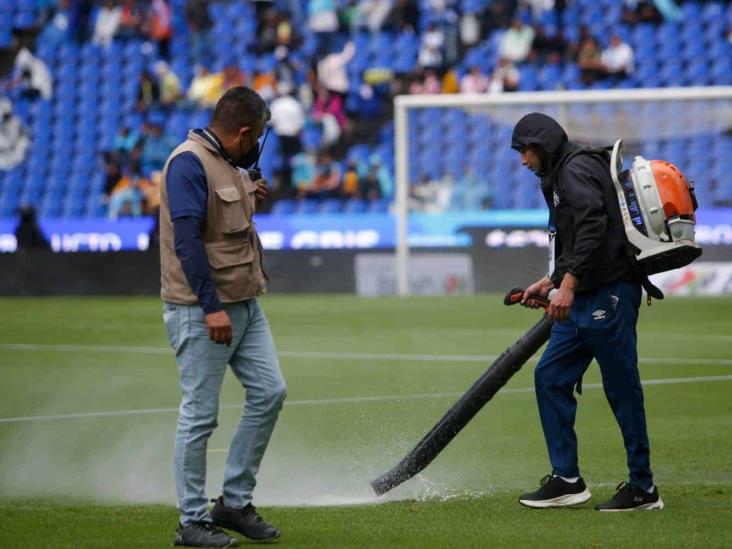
(541, 130)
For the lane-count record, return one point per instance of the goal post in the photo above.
(438, 135)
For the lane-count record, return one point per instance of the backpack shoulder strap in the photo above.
(648, 286)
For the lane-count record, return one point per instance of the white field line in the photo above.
(327, 355)
(350, 400)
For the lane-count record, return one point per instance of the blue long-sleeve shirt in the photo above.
(187, 190)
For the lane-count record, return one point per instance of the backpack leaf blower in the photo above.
(657, 204)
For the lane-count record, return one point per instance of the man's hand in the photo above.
(261, 193)
(562, 301)
(540, 288)
(219, 327)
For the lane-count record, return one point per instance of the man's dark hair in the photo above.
(239, 106)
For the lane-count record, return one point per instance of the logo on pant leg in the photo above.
(599, 314)
(614, 301)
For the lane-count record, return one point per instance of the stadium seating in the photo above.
(96, 88)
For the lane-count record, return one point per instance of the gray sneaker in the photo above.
(203, 534)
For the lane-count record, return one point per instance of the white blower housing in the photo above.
(657, 204)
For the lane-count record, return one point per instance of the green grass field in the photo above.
(88, 409)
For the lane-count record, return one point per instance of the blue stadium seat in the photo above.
(355, 206)
(283, 207)
(331, 206)
(74, 207)
(51, 207)
(379, 206)
(307, 206)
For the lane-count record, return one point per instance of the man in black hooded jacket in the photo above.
(595, 309)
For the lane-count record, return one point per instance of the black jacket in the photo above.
(583, 208)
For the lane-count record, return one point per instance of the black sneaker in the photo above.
(203, 534)
(556, 492)
(246, 521)
(630, 498)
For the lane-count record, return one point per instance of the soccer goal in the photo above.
(456, 173)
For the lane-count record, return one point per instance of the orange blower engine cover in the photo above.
(674, 190)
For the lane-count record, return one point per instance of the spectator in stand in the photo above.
(383, 176)
(469, 31)
(641, 11)
(546, 48)
(327, 178)
(170, 87)
(470, 193)
(288, 120)
(125, 144)
(127, 196)
(425, 196)
(516, 42)
(618, 59)
(450, 82)
(404, 16)
(369, 107)
(430, 49)
(505, 77)
(498, 15)
(59, 29)
(14, 137)
(28, 233)
(161, 26)
(350, 186)
(148, 95)
(426, 82)
(589, 59)
(261, 7)
(156, 146)
(287, 36)
(449, 22)
(233, 76)
(31, 76)
(45, 11)
(107, 23)
(323, 22)
(265, 84)
(206, 88)
(79, 11)
(328, 110)
(286, 70)
(303, 171)
(474, 81)
(374, 13)
(112, 174)
(266, 33)
(351, 17)
(368, 184)
(199, 25)
(573, 48)
(151, 193)
(538, 7)
(332, 73)
(130, 22)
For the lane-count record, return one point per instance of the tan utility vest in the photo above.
(229, 235)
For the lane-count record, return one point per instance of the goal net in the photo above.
(461, 191)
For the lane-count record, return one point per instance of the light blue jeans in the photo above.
(201, 365)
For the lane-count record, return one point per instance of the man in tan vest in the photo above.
(211, 275)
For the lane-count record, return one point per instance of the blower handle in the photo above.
(515, 295)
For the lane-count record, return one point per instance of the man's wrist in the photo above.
(569, 282)
(211, 308)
